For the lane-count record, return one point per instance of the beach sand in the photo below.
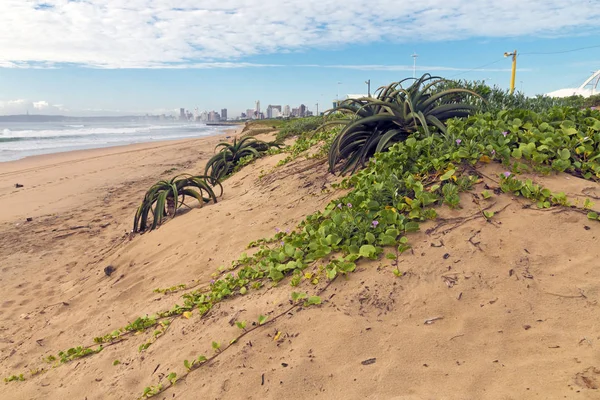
(506, 309)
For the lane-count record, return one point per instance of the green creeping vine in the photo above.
(12, 378)
(298, 300)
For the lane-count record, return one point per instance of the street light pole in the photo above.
(368, 87)
(514, 70)
(317, 109)
(414, 56)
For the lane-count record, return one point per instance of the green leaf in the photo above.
(187, 364)
(262, 319)
(370, 237)
(216, 345)
(289, 249)
(447, 175)
(564, 154)
(297, 296)
(313, 300)
(241, 324)
(386, 240)
(592, 215)
(172, 377)
(367, 250)
(411, 226)
(488, 214)
(390, 256)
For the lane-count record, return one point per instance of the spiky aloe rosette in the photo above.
(165, 197)
(224, 162)
(373, 124)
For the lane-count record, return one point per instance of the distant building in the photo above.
(213, 116)
(224, 114)
(257, 108)
(250, 113)
(302, 110)
(336, 103)
(204, 116)
(273, 111)
(295, 112)
(196, 116)
(286, 111)
(182, 113)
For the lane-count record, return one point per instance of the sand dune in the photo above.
(500, 309)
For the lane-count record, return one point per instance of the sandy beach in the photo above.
(506, 309)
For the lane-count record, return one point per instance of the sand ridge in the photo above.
(505, 309)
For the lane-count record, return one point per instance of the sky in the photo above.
(115, 57)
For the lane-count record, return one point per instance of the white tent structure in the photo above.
(587, 89)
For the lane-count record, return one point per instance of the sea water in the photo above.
(23, 139)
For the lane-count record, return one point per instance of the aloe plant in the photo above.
(165, 197)
(373, 124)
(224, 162)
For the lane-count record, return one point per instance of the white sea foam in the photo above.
(83, 131)
(20, 140)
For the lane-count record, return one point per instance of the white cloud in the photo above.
(22, 106)
(153, 34)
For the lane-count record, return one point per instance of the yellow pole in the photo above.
(514, 72)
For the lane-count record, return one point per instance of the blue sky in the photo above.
(136, 56)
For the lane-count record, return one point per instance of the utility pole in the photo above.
(514, 70)
(368, 87)
(317, 109)
(414, 56)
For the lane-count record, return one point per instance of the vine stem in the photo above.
(235, 340)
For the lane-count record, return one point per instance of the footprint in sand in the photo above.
(8, 303)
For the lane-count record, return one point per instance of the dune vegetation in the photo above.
(409, 151)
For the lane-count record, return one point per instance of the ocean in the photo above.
(23, 139)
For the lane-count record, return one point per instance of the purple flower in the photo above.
(232, 275)
(282, 243)
(287, 230)
(277, 230)
(505, 133)
(375, 223)
(493, 152)
(349, 205)
(458, 141)
(339, 205)
(212, 281)
(506, 174)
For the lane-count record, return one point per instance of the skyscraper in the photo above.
(257, 109)
(273, 111)
(286, 111)
(182, 113)
(302, 110)
(224, 114)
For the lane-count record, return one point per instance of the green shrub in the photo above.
(297, 126)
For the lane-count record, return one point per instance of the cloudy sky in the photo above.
(127, 56)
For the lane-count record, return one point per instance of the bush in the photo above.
(297, 126)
